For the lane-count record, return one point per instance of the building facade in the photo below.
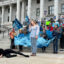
(34, 9)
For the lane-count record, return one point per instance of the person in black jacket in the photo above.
(62, 38)
(43, 34)
(7, 53)
(56, 33)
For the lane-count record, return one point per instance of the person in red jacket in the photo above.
(50, 27)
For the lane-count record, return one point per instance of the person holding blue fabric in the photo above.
(34, 32)
(43, 34)
(20, 36)
(56, 33)
(20, 33)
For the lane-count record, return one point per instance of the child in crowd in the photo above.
(21, 34)
(43, 34)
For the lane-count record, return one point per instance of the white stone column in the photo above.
(41, 9)
(2, 15)
(10, 13)
(29, 9)
(23, 11)
(18, 10)
(56, 9)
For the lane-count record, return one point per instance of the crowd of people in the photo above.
(34, 28)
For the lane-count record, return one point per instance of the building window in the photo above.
(0, 10)
(38, 12)
(26, 2)
(62, 8)
(38, 1)
(8, 18)
(51, 10)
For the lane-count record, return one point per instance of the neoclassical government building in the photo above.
(34, 9)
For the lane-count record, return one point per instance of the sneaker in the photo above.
(33, 55)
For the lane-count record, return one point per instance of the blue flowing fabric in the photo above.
(49, 34)
(26, 41)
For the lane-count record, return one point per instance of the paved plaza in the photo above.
(39, 59)
(42, 58)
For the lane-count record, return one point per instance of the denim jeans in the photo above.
(34, 45)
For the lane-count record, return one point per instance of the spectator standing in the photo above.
(20, 36)
(62, 38)
(34, 32)
(12, 34)
(56, 33)
(50, 27)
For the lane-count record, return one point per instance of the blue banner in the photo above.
(27, 20)
(17, 25)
